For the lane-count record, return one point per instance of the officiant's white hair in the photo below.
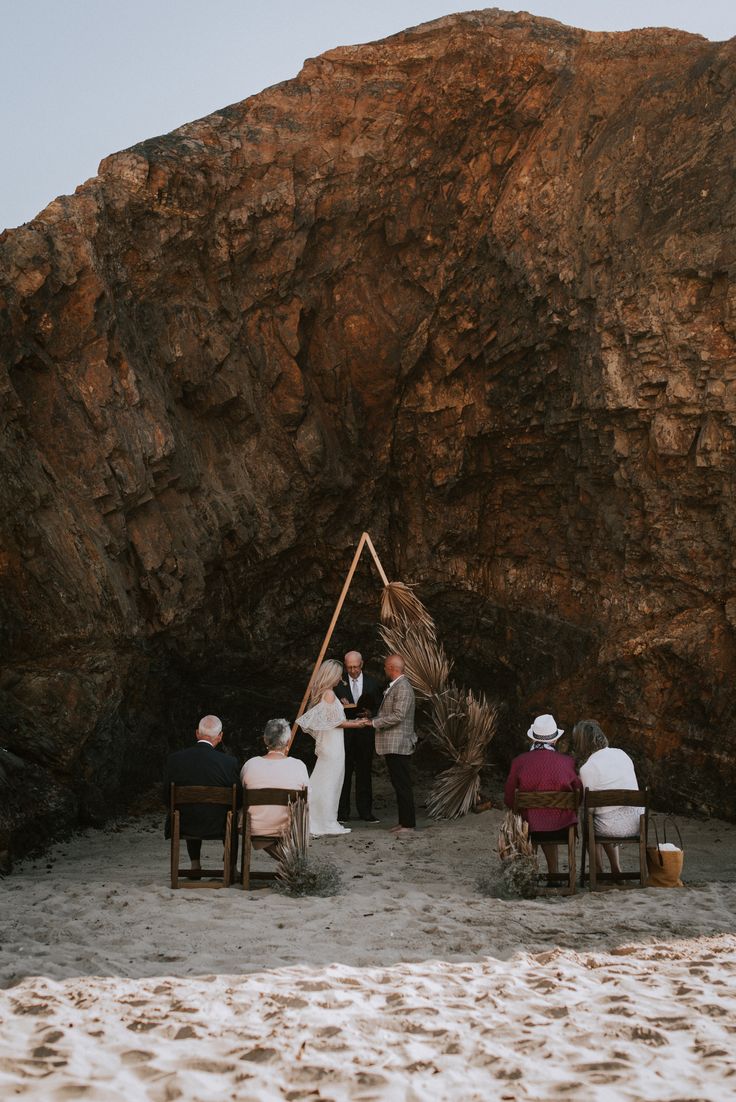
(327, 677)
(276, 733)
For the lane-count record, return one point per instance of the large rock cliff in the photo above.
(470, 288)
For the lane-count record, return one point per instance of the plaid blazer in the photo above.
(394, 723)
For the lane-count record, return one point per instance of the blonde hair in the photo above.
(327, 677)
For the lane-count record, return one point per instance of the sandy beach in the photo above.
(410, 985)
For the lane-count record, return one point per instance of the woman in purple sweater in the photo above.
(544, 769)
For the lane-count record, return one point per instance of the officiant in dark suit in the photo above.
(359, 688)
(203, 764)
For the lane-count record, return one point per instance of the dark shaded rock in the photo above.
(470, 288)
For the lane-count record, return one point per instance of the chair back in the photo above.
(278, 797)
(617, 797)
(188, 794)
(567, 800)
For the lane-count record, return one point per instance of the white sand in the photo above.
(408, 986)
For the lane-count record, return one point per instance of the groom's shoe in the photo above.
(370, 819)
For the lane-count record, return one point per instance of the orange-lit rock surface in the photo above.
(470, 288)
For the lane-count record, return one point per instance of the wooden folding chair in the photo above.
(614, 797)
(202, 794)
(568, 801)
(262, 797)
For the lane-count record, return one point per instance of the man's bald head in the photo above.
(394, 666)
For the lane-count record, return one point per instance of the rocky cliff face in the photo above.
(470, 288)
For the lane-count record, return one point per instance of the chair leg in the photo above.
(583, 849)
(592, 855)
(246, 851)
(227, 871)
(571, 859)
(175, 850)
(643, 875)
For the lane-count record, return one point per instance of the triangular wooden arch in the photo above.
(365, 541)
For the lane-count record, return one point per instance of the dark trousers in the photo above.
(194, 849)
(399, 770)
(359, 762)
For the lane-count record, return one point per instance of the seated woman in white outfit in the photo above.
(273, 770)
(325, 721)
(604, 767)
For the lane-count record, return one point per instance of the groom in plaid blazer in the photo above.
(395, 738)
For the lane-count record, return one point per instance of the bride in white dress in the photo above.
(325, 721)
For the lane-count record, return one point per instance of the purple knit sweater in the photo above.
(543, 771)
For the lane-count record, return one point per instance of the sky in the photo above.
(80, 79)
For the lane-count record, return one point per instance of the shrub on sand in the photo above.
(517, 879)
(298, 874)
(519, 874)
(307, 876)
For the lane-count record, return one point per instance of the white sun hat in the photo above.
(544, 729)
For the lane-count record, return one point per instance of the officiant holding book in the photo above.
(363, 691)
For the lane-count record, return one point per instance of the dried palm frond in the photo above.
(298, 874)
(448, 722)
(399, 604)
(425, 660)
(295, 839)
(481, 727)
(513, 838)
(462, 724)
(454, 792)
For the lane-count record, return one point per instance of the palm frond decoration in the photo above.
(519, 868)
(454, 792)
(461, 724)
(400, 605)
(513, 838)
(482, 721)
(426, 662)
(447, 725)
(294, 842)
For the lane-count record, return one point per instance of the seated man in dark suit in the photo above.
(202, 764)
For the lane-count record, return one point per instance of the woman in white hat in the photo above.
(544, 769)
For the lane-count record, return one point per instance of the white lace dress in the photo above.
(325, 784)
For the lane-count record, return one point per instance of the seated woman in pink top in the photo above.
(544, 769)
(274, 770)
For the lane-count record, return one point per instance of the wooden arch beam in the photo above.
(365, 541)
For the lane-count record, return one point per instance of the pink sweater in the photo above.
(272, 773)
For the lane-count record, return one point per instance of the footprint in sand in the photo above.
(648, 1036)
(209, 1067)
(136, 1056)
(185, 1033)
(260, 1055)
